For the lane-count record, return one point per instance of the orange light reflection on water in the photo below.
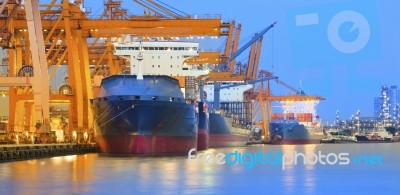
(56, 170)
(294, 173)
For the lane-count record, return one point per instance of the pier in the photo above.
(33, 151)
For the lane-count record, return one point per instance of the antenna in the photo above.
(301, 86)
(140, 58)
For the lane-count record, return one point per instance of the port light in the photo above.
(74, 135)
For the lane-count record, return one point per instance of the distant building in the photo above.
(386, 107)
(394, 101)
(361, 125)
(377, 106)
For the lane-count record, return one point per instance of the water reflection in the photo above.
(309, 175)
(289, 177)
(94, 174)
(33, 173)
(169, 173)
(300, 172)
(310, 149)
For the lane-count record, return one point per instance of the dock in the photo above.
(34, 151)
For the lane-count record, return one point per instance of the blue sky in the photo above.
(341, 50)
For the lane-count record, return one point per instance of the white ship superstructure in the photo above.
(232, 94)
(160, 57)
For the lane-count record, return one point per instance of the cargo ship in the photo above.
(203, 126)
(298, 124)
(167, 57)
(293, 132)
(231, 125)
(143, 116)
(225, 133)
(152, 108)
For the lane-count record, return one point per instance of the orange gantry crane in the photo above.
(224, 71)
(71, 38)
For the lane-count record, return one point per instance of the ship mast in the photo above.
(140, 58)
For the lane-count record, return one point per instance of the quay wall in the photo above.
(32, 151)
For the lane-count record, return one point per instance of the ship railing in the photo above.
(193, 16)
(20, 92)
(242, 126)
(61, 92)
(206, 16)
(15, 75)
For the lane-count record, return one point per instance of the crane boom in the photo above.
(297, 92)
(256, 59)
(254, 39)
(249, 82)
(229, 43)
(235, 46)
(249, 68)
(244, 47)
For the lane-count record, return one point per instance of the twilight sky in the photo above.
(341, 50)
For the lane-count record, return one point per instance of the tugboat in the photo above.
(378, 135)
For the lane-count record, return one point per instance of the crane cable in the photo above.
(185, 14)
(272, 49)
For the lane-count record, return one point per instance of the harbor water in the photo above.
(102, 174)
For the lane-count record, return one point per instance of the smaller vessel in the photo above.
(225, 133)
(396, 138)
(339, 139)
(378, 135)
(231, 124)
(292, 132)
(338, 136)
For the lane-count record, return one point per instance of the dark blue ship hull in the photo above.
(291, 132)
(224, 134)
(203, 128)
(148, 116)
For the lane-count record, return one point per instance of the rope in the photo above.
(105, 111)
(117, 116)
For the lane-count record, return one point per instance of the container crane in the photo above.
(235, 45)
(216, 57)
(265, 98)
(162, 9)
(66, 30)
(225, 76)
(247, 45)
